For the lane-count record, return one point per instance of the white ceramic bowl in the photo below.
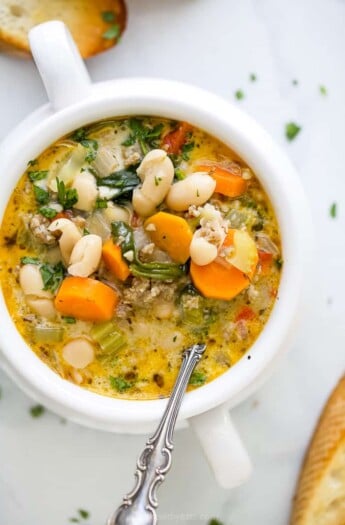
(74, 102)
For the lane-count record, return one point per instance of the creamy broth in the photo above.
(154, 294)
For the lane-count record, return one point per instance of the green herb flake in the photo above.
(86, 231)
(52, 276)
(179, 174)
(108, 16)
(79, 134)
(186, 150)
(84, 514)
(279, 263)
(67, 197)
(292, 130)
(158, 180)
(32, 162)
(197, 378)
(37, 175)
(253, 77)
(68, 319)
(239, 94)
(101, 203)
(214, 521)
(92, 147)
(174, 338)
(333, 210)
(323, 90)
(112, 32)
(146, 136)
(295, 82)
(30, 260)
(47, 212)
(119, 383)
(37, 411)
(41, 195)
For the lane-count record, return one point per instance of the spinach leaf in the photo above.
(37, 175)
(47, 212)
(67, 197)
(52, 275)
(123, 180)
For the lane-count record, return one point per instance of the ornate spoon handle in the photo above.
(139, 506)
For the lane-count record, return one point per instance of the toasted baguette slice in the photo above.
(95, 24)
(320, 495)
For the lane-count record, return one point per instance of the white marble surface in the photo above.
(49, 468)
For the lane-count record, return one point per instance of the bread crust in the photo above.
(320, 494)
(83, 17)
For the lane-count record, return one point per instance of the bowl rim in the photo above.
(171, 99)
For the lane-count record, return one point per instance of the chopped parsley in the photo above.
(32, 162)
(279, 263)
(253, 77)
(158, 180)
(47, 212)
(333, 210)
(197, 378)
(85, 514)
(92, 146)
(146, 136)
(108, 16)
(119, 383)
(79, 134)
(291, 130)
(186, 149)
(101, 203)
(37, 411)
(86, 231)
(179, 174)
(68, 319)
(37, 175)
(323, 90)
(112, 32)
(67, 197)
(214, 521)
(239, 94)
(41, 195)
(30, 260)
(52, 275)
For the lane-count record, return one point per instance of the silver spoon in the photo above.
(139, 506)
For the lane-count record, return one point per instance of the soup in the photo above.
(129, 240)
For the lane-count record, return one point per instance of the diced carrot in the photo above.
(245, 314)
(174, 140)
(66, 214)
(113, 260)
(86, 299)
(265, 260)
(171, 234)
(218, 280)
(227, 182)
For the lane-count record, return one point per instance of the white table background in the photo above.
(48, 469)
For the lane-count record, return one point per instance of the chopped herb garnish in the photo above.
(197, 378)
(79, 135)
(291, 130)
(278, 263)
(119, 383)
(84, 514)
(37, 411)
(41, 195)
(174, 338)
(252, 77)
(47, 212)
(52, 276)
(214, 521)
(108, 16)
(67, 197)
(147, 137)
(112, 32)
(30, 260)
(86, 231)
(101, 203)
(323, 90)
(295, 82)
(37, 175)
(68, 319)
(186, 149)
(239, 94)
(333, 210)
(32, 162)
(92, 146)
(179, 174)
(157, 180)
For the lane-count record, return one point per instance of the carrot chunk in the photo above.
(218, 280)
(245, 314)
(227, 182)
(174, 140)
(113, 260)
(86, 299)
(265, 260)
(171, 234)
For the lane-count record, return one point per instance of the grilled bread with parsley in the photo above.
(320, 495)
(96, 25)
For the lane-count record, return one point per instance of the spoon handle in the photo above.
(139, 506)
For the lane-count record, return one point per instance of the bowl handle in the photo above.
(59, 63)
(222, 446)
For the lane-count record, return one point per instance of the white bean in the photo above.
(85, 184)
(202, 252)
(70, 236)
(43, 307)
(78, 353)
(195, 190)
(31, 282)
(164, 310)
(157, 173)
(85, 256)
